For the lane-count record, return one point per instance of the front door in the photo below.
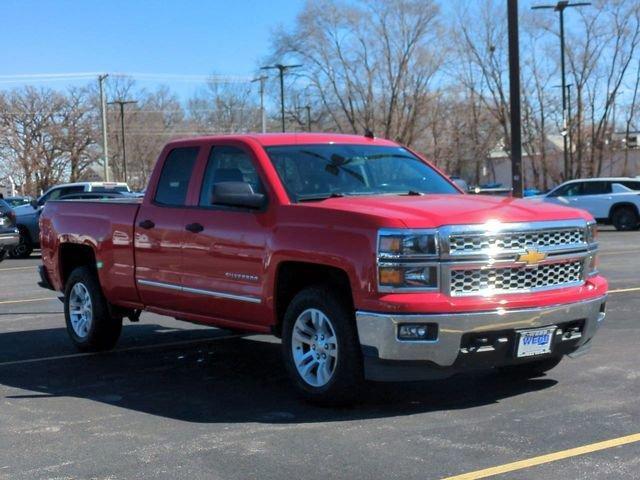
(160, 233)
(225, 251)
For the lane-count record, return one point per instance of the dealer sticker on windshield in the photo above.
(535, 342)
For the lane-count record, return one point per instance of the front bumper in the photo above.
(453, 349)
(9, 240)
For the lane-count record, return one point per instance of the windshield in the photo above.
(316, 172)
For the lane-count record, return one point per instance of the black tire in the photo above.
(625, 219)
(104, 329)
(348, 374)
(530, 369)
(3, 253)
(24, 249)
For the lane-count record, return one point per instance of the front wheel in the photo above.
(530, 369)
(89, 322)
(321, 348)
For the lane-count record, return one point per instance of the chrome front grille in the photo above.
(478, 242)
(515, 279)
(497, 258)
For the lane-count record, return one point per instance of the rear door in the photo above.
(159, 232)
(225, 256)
(596, 198)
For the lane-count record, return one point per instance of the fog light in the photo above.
(422, 331)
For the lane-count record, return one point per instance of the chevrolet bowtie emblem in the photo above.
(532, 257)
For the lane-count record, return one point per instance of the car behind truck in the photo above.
(365, 260)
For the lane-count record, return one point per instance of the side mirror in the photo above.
(236, 194)
(34, 204)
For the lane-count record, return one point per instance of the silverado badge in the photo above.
(532, 257)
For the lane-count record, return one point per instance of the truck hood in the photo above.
(431, 211)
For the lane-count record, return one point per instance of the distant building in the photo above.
(622, 161)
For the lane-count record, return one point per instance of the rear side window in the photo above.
(175, 176)
(596, 188)
(631, 185)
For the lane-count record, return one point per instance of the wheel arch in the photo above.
(74, 255)
(619, 205)
(294, 276)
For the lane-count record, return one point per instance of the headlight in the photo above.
(591, 263)
(409, 244)
(407, 260)
(592, 233)
(408, 276)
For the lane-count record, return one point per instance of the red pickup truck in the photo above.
(365, 259)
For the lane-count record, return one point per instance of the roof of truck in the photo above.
(272, 139)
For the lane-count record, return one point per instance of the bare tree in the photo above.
(369, 64)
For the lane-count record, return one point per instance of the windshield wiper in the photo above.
(319, 197)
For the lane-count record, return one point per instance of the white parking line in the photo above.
(17, 268)
(27, 300)
(121, 350)
(623, 290)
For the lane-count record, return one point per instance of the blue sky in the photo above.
(175, 37)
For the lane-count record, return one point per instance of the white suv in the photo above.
(614, 201)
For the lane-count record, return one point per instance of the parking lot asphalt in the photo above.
(180, 401)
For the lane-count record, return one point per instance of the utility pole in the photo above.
(122, 103)
(281, 70)
(308, 109)
(103, 114)
(263, 114)
(560, 7)
(514, 98)
(567, 128)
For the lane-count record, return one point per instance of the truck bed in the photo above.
(105, 225)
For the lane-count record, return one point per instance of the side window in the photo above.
(569, 190)
(228, 164)
(596, 188)
(52, 195)
(174, 179)
(63, 192)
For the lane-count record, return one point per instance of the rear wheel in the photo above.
(24, 248)
(530, 369)
(625, 219)
(89, 322)
(321, 348)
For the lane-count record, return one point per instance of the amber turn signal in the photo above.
(391, 276)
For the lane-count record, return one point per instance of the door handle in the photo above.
(194, 227)
(146, 224)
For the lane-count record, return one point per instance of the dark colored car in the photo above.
(9, 236)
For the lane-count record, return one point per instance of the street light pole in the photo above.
(514, 98)
(263, 116)
(308, 109)
(560, 8)
(122, 103)
(281, 70)
(103, 114)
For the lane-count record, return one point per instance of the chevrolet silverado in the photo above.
(365, 259)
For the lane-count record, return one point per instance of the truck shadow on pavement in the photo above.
(214, 380)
